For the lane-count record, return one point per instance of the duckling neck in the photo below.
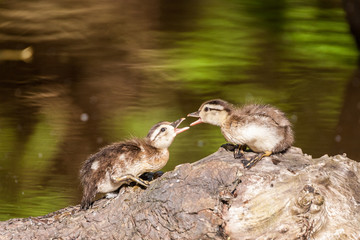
(158, 160)
(159, 146)
(222, 118)
(150, 158)
(151, 149)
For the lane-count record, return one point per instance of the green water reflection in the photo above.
(95, 80)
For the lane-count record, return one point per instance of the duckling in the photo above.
(123, 162)
(262, 128)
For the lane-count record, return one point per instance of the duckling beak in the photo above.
(176, 124)
(195, 114)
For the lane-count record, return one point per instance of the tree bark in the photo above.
(352, 9)
(285, 196)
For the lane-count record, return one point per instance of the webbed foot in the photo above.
(249, 163)
(229, 147)
(150, 176)
(131, 178)
(239, 151)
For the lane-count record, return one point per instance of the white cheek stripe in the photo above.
(217, 107)
(155, 133)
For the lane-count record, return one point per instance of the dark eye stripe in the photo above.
(215, 109)
(161, 130)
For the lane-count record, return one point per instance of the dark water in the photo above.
(102, 71)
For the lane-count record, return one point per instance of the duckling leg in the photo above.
(239, 151)
(229, 147)
(250, 163)
(131, 178)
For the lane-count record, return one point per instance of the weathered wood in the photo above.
(287, 196)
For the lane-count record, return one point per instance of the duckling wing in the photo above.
(129, 147)
(125, 153)
(117, 149)
(110, 156)
(273, 114)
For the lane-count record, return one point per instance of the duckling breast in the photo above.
(155, 160)
(259, 138)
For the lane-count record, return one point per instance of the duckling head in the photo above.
(162, 134)
(213, 112)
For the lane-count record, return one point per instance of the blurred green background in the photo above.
(75, 76)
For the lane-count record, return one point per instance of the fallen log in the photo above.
(285, 196)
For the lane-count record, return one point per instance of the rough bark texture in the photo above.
(352, 9)
(287, 196)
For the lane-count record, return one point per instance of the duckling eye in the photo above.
(206, 109)
(163, 129)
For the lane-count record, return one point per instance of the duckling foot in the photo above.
(251, 162)
(229, 147)
(150, 176)
(131, 178)
(239, 151)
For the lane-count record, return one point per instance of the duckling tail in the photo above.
(88, 196)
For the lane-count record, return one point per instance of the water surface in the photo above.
(103, 71)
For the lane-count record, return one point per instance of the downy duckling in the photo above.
(123, 162)
(263, 128)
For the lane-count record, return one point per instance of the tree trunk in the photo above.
(285, 196)
(352, 9)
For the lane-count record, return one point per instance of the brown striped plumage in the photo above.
(123, 162)
(263, 128)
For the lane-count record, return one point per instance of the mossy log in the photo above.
(285, 196)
